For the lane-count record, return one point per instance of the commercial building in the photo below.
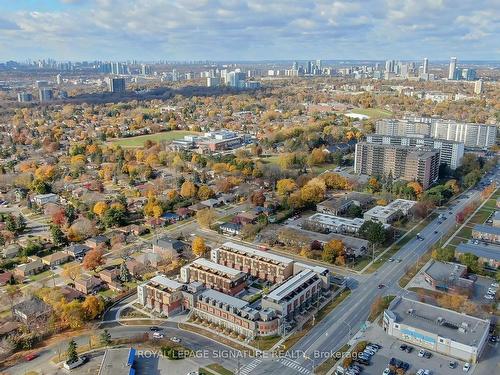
(330, 223)
(434, 328)
(120, 361)
(486, 233)
(214, 276)
(452, 68)
(478, 87)
(258, 263)
(488, 255)
(294, 295)
(116, 85)
(471, 135)
(235, 314)
(403, 162)
(162, 295)
(450, 152)
(392, 212)
(448, 277)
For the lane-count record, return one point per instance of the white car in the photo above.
(175, 339)
(494, 285)
(158, 335)
(466, 366)
(386, 372)
(421, 353)
(420, 371)
(489, 297)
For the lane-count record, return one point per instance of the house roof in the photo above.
(487, 252)
(487, 229)
(32, 306)
(59, 255)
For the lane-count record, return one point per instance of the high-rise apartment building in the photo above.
(452, 68)
(478, 87)
(117, 85)
(213, 81)
(471, 135)
(426, 66)
(401, 162)
(24, 97)
(45, 94)
(450, 152)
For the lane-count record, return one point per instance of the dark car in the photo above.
(403, 347)
(363, 361)
(427, 355)
(154, 329)
(376, 345)
(452, 364)
(405, 366)
(380, 286)
(409, 349)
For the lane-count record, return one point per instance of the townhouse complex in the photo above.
(219, 290)
(471, 135)
(398, 161)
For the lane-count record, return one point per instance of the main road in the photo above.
(337, 328)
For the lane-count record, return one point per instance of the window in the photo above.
(396, 325)
(441, 340)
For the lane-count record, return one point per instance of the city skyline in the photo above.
(257, 30)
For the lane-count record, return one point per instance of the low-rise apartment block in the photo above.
(340, 204)
(403, 162)
(162, 295)
(488, 255)
(331, 223)
(258, 263)
(215, 276)
(295, 294)
(434, 328)
(235, 314)
(486, 233)
(392, 212)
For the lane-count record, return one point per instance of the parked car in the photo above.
(154, 329)
(403, 347)
(466, 366)
(175, 339)
(158, 335)
(452, 364)
(31, 356)
(409, 349)
(421, 353)
(386, 371)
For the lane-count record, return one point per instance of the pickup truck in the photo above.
(71, 365)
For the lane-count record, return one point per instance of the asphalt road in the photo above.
(343, 322)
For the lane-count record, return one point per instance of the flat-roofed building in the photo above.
(162, 295)
(448, 277)
(235, 314)
(486, 233)
(340, 204)
(258, 263)
(331, 223)
(120, 361)
(489, 255)
(294, 295)
(214, 275)
(392, 212)
(434, 328)
(450, 152)
(400, 162)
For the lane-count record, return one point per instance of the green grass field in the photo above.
(139, 140)
(374, 113)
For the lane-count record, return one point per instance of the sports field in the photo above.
(139, 140)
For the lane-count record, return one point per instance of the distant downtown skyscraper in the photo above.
(426, 66)
(453, 67)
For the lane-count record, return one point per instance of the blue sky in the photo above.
(249, 30)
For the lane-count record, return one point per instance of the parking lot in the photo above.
(437, 364)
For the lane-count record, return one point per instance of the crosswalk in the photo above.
(294, 365)
(245, 370)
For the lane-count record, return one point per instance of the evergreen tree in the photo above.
(124, 273)
(106, 338)
(71, 352)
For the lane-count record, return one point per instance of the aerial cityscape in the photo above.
(249, 187)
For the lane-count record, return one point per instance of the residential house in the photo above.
(5, 277)
(171, 217)
(96, 241)
(486, 233)
(135, 268)
(246, 218)
(109, 275)
(166, 245)
(28, 269)
(8, 328)
(88, 284)
(56, 259)
(32, 312)
(230, 228)
(43, 199)
(11, 251)
(77, 250)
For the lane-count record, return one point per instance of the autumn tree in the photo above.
(285, 186)
(313, 192)
(71, 271)
(188, 189)
(198, 246)
(93, 259)
(204, 192)
(205, 217)
(257, 198)
(443, 254)
(100, 208)
(333, 249)
(92, 307)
